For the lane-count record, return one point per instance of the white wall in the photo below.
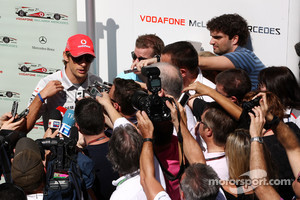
(118, 23)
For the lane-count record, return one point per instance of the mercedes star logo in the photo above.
(43, 40)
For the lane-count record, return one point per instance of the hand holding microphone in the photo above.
(67, 122)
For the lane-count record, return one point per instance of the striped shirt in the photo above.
(245, 59)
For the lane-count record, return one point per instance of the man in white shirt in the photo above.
(60, 88)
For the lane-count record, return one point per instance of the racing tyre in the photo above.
(57, 16)
(24, 69)
(21, 13)
(9, 94)
(6, 39)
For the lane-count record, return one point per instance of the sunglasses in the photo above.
(134, 57)
(80, 59)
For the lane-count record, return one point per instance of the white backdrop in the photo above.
(36, 41)
(274, 23)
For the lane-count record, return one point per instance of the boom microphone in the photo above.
(67, 122)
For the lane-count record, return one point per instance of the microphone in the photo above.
(54, 121)
(67, 122)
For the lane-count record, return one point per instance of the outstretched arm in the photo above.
(258, 166)
(215, 63)
(150, 185)
(234, 110)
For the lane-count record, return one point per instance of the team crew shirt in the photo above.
(245, 59)
(65, 98)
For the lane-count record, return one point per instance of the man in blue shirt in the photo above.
(229, 34)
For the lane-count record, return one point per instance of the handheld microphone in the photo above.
(52, 120)
(67, 122)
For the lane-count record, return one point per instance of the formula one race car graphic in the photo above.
(37, 68)
(35, 12)
(5, 39)
(9, 94)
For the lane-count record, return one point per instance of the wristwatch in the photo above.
(157, 57)
(257, 139)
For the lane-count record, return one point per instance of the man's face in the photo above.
(220, 89)
(143, 53)
(221, 43)
(78, 67)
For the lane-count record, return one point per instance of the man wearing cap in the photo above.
(27, 168)
(60, 88)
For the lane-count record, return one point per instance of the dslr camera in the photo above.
(248, 105)
(154, 105)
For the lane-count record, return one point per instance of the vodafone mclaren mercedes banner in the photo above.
(33, 36)
(273, 24)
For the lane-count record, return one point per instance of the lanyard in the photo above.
(96, 140)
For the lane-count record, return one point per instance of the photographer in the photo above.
(194, 182)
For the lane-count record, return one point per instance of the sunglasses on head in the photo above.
(86, 57)
(134, 57)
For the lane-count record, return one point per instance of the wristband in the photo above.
(42, 100)
(147, 139)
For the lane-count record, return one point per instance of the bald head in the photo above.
(171, 79)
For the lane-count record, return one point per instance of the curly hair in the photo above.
(231, 25)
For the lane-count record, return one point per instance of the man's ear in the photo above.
(183, 72)
(117, 106)
(234, 99)
(76, 125)
(66, 58)
(161, 93)
(208, 132)
(235, 40)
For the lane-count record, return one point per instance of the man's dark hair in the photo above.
(171, 79)
(231, 25)
(150, 41)
(9, 191)
(89, 116)
(183, 55)
(235, 82)
(124, 89)
(200, 182)
(125, 148)
(219, 121)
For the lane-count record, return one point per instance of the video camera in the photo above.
(63, 151)
(153, 105)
